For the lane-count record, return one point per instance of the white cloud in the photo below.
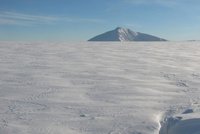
(21, 19)
(14, 18)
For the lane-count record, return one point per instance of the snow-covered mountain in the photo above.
(124, 34)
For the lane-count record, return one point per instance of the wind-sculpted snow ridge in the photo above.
(181, 124)
(99, 88)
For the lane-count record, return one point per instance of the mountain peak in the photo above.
(122, 29)
(125, 34)
(119, 28)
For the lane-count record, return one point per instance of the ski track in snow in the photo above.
(99, 88)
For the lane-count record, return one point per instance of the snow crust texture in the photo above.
(100, 88)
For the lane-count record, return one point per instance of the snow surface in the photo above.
(100, 88)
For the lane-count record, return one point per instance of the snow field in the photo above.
(99, 88)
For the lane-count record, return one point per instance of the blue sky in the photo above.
(79, 20)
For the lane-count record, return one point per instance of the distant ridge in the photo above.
(124, 34)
